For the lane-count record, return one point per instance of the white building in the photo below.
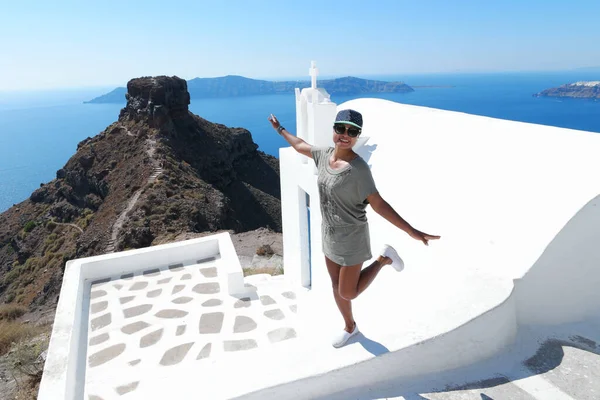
(517, 208)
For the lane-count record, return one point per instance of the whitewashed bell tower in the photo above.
(315, 113)
(300, 213)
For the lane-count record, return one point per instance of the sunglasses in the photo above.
(340, 129)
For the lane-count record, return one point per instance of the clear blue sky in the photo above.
(57, 44)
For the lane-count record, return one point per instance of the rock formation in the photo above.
(157, 173)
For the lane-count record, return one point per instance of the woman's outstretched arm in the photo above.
(383, 208)
(298, 144)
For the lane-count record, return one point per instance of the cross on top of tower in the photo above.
(313, 71)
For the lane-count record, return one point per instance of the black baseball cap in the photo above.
(350, 117)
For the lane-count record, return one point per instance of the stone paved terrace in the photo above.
(143, 324)
(174, 330)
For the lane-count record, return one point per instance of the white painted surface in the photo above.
(293, 214)
(311, 366)
(498, 192)
(502, 195)
(267, 311)
(65, 367)
(563, 285)
(61, 369)
(497, 188)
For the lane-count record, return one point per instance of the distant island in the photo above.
(580, 90)
(236, 86)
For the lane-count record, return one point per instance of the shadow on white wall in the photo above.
(366, 151)
(564, 283)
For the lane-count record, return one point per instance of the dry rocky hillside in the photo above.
(153, 175)
(156, 175)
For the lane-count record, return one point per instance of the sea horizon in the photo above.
(34, 122)
(107, 87)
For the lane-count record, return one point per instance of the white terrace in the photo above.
(517, 208)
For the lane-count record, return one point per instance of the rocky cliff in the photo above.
(157, 173)
(582, 90)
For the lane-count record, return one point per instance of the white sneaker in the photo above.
(389, 251)
(344, 336)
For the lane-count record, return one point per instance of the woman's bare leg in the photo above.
(345, 306)
(353, 281)
(348, 282)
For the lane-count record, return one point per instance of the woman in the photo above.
(346, 186)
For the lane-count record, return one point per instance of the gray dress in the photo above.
(343, 195)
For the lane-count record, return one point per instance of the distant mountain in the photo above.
(115, 96)
(236, 86)
(582, 90)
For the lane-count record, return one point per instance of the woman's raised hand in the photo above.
(273, 120)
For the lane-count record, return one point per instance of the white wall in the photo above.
(292, 222)
(297, 176)
(498, 192)
(314, 112)
(564, 284)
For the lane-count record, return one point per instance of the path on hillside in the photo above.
(156, 171)
(71, 225)
(53, 220)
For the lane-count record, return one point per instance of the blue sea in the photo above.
(39, 131)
